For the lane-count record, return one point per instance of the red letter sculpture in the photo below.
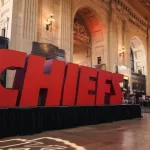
(70, 85)
(102, 86)
(10, 59)
(37, 77)
(116, 98)
(55, 83)
(85, 85)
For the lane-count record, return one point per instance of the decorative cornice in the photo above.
(4, 11)
(3, 21)
(133, 16)
(146, 3)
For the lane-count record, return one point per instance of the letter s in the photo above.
(116, 98)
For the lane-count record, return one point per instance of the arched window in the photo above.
(132, 60)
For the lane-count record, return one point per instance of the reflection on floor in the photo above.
(123, 135)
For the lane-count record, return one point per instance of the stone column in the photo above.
(30, 24)
(66, 28)
(24, 24)
(113, 44)
(23, 29)
(148, 62)
(127, 45)
(126, 61)
(30, 19)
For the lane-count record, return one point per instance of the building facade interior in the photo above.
(112, 35)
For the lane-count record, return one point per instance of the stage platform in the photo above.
(27, 121)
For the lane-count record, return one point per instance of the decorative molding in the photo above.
(4, 22)
(4, 12)
(122, 8)
(138, 54)
(135, 43)
(103, 4)
(146, 3)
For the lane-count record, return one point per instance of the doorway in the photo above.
(88, 40)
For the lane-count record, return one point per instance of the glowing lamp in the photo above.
(121, 52)
(49, 23)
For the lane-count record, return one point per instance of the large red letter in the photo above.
(10, 59)
(70, 85)
(102, 86)
(117, 97)
(37, 76)
(85, 86)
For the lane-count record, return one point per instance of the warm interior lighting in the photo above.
(121, 51)
(49, 23)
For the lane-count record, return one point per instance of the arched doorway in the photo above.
(88, 40)
(138, 66)
(139, 55)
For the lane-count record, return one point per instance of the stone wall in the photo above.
(6, 9)
(6, 16)
(45, 9)
(23, 29)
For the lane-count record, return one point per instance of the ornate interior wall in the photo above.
(5, 17)
(112, 25)
(96, 18)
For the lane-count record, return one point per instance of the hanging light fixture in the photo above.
(121, 51)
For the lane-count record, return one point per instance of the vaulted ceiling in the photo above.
(91, 19)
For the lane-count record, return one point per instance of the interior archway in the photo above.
(139, 56)
(138, 66)
(88, 38)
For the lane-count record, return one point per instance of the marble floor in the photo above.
(122, 135)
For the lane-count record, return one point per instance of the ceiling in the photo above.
(91, 19)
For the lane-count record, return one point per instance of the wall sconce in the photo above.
(50, 21)
(121, 52)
